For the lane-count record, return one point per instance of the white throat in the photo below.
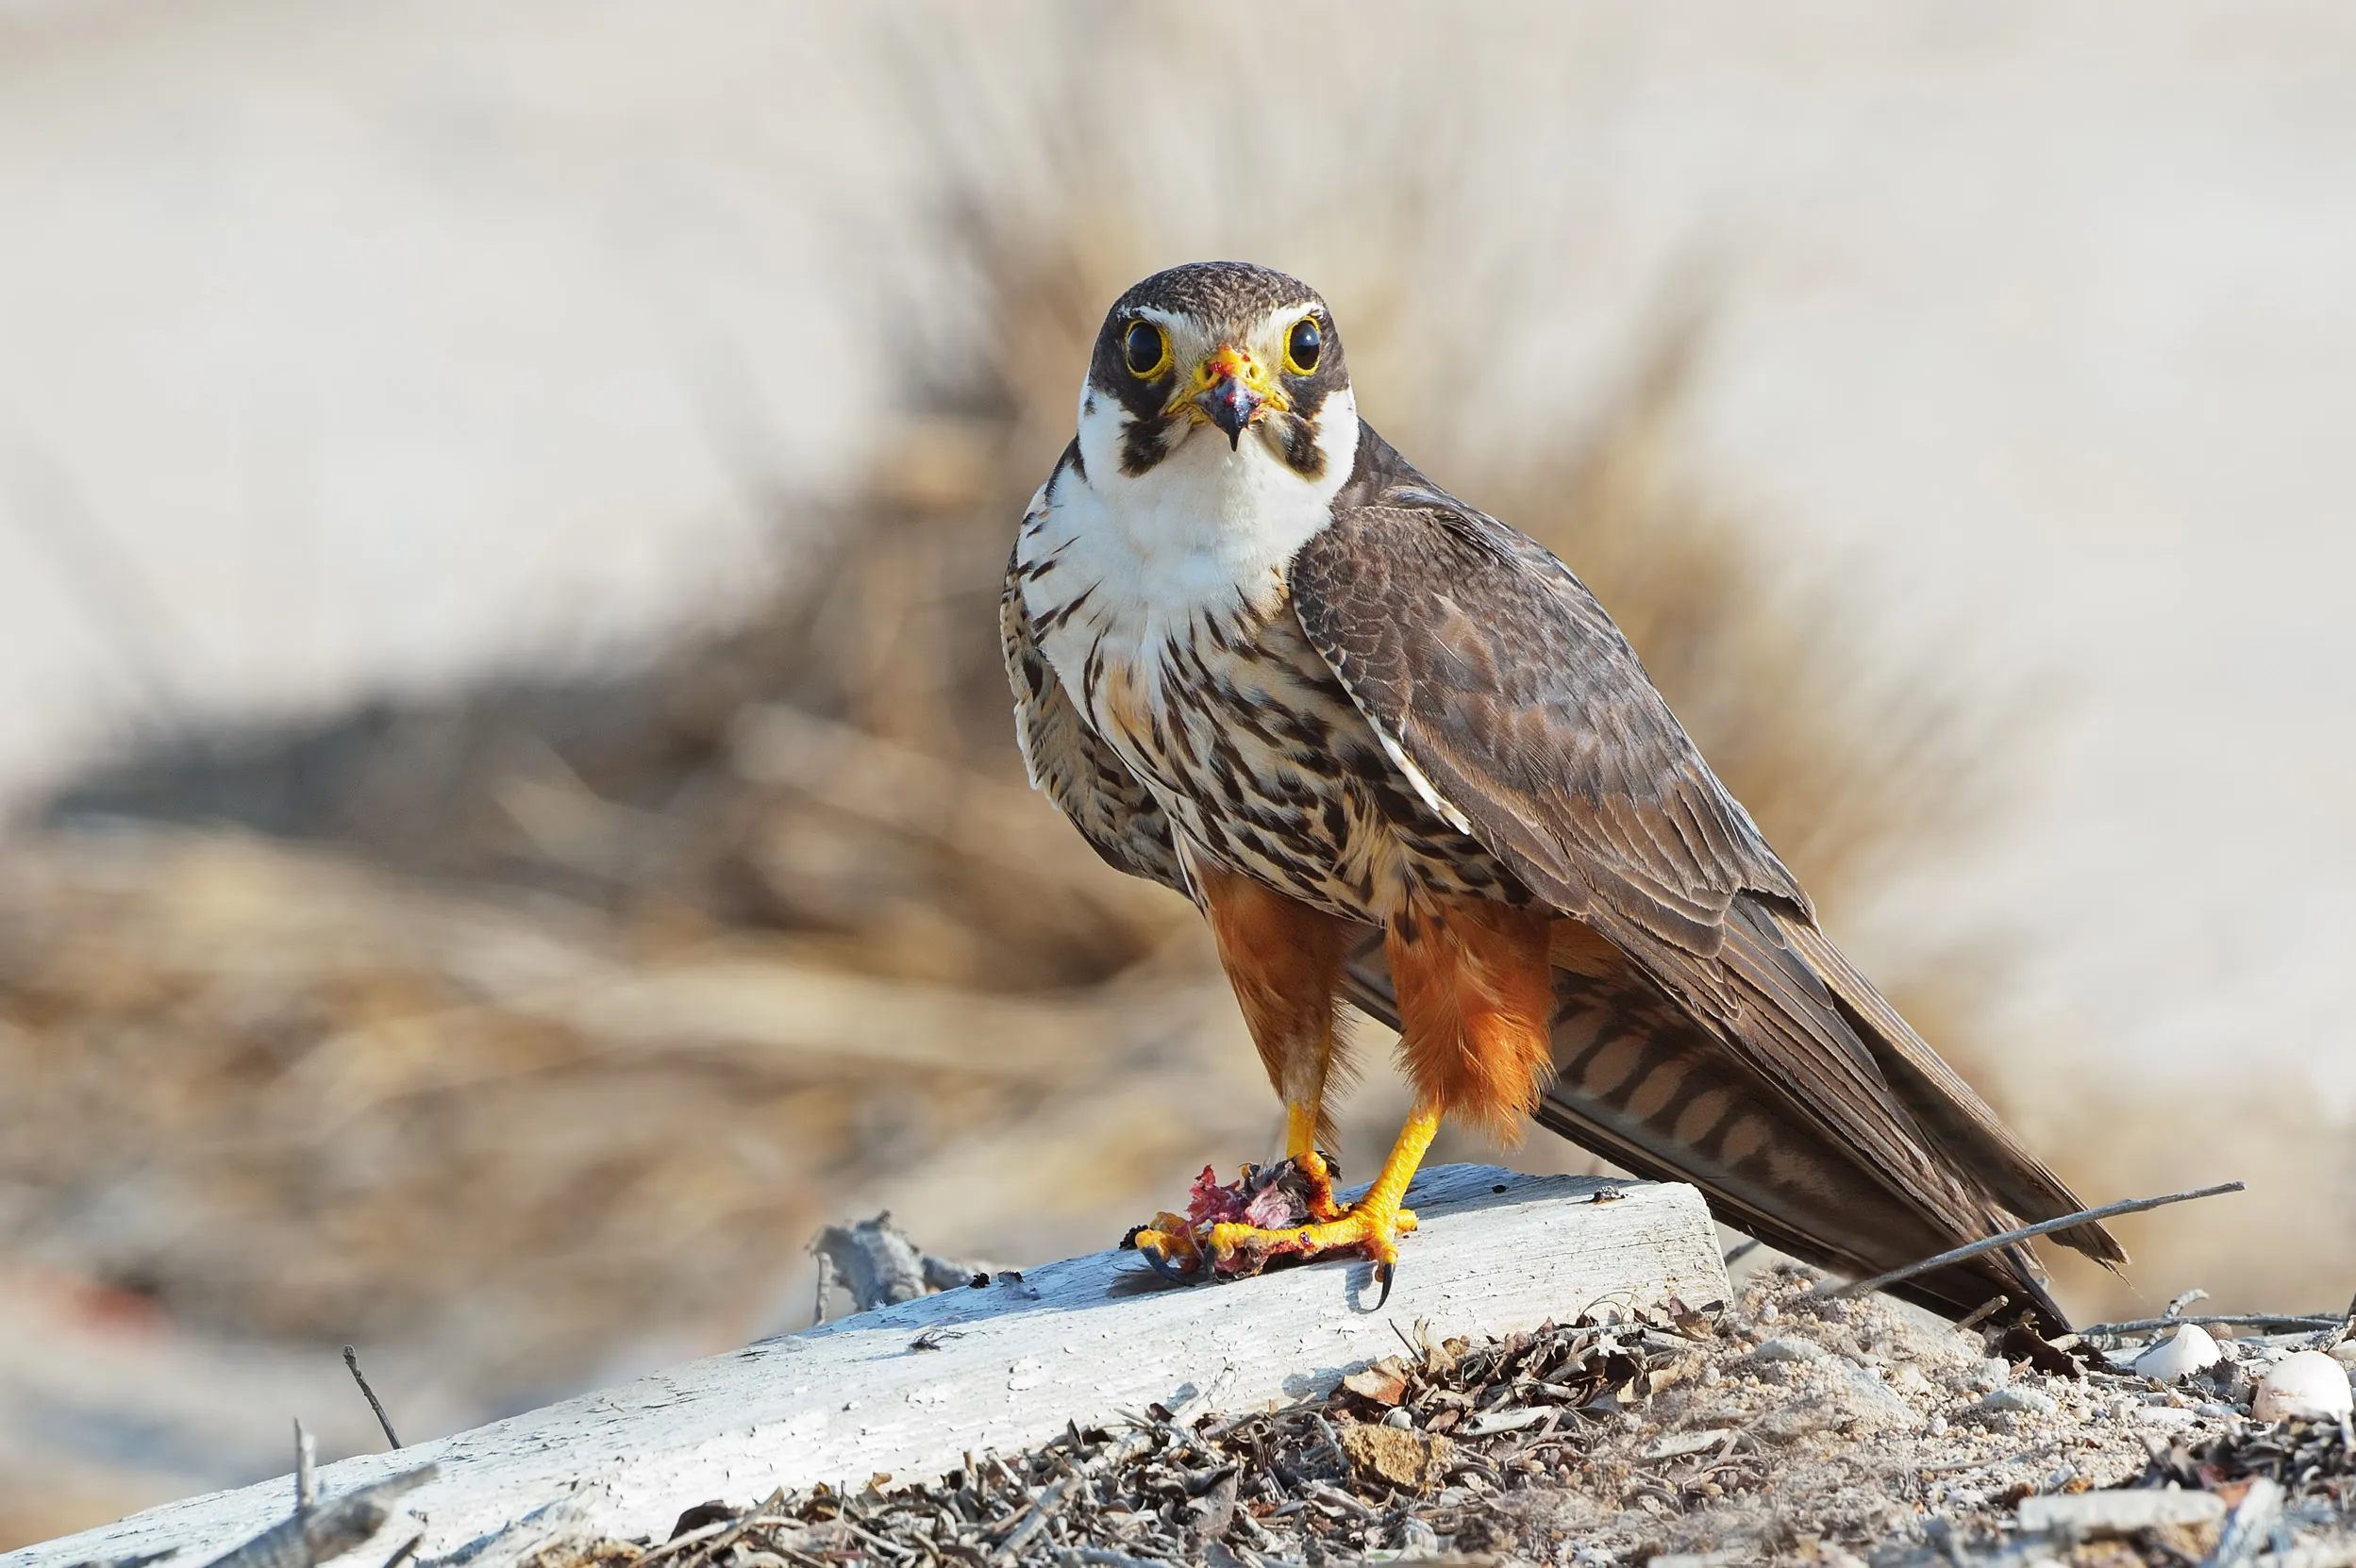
(1207, 525)
(1120, 572)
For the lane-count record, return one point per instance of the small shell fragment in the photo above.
(2188, 1350)
(2307, 1386)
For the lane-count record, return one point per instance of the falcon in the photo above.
(1399, 757)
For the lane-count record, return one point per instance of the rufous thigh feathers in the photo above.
(1476, 996)
(1284, 959)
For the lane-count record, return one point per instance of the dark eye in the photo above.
(1147, 349)
(1302, 345)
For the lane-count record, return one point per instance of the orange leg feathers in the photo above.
(1285, 960)
(1475, 993)
(1476, 998)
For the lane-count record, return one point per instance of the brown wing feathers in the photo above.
(1531, 718)
(1945, 1105)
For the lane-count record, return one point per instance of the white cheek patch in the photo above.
(1208, 530)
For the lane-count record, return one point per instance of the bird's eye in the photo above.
(1146, 348)
(1302, 345)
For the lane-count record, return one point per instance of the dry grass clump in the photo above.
(297, 1099)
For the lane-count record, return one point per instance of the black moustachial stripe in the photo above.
(1228, 298)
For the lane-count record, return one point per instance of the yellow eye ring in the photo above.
(1304, 345)
(1146, 350)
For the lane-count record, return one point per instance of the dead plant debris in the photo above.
(1783, 1427)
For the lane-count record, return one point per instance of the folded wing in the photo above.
(1713, 1033)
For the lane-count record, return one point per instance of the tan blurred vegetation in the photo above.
(533, 1030)
(554, 1017)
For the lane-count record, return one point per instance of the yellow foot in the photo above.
(1233, 1231)
(1372, 1230)
(1168, 1246)
(1318, 1175)
(1288, 1211)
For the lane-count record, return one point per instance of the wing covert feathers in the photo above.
(1493, 670)
(1705, 1031)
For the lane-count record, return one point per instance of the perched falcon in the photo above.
(1399, 755)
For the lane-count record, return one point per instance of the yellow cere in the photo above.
(1227, 362)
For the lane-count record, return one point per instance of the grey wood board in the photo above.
(1085, 1339)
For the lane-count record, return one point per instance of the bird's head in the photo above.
(1235, 365)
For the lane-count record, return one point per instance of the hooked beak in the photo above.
(1230, 389)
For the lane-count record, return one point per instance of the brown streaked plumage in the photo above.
(1397, 753)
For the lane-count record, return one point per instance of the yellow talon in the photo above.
(1372, 1225)
(1178, 1248)
(1319, 1176)
(1300, 1146)
(1374, 1230)
(1168, 1244)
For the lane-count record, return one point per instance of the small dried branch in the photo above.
(351, 1359)
(2216, 1320)
(878, 1265)
(314, 1535)
(2045, 1227)
(1983, 1312)
(306, 1470)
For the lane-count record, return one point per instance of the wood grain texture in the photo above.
(1082, 1340)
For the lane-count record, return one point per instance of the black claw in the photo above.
(1386, 1272)
(1161, 1265)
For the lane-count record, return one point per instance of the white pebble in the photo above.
(2014, 1401)
(2309, 1386)
(2188, 1350)
(1789, 1350)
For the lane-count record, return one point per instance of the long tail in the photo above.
(1814, 1120)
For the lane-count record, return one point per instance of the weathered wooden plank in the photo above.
(1008, 1365)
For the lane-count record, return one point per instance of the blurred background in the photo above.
(513, 818)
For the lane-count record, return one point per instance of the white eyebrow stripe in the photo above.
(1283, 316)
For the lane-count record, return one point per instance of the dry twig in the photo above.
(351, 1359)
(2023, 1233)
(313, 1536)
